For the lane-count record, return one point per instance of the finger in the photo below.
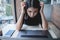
(41, 3)
(23, 4)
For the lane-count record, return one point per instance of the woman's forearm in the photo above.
(19, 22)
(44, 21)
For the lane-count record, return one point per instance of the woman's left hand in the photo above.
(42, 6)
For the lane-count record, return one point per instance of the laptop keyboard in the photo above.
(34, 33)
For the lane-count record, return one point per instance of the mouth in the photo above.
(31, 16)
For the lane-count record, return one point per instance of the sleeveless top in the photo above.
(36, 20)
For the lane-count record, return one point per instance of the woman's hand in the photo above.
(23, 4)
(42, 6)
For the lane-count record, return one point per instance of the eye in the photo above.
(30, 11)
(35, 11)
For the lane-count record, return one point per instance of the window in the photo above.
(6, 13)
(46, 1)
(8, 1)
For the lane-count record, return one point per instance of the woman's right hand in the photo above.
(23, 4)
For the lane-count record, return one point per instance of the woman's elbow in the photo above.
(45, 26)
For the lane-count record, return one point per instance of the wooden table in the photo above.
(13, 27)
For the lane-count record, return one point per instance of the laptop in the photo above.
(34, 33)
(9, 33)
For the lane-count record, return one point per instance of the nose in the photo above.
(32, 14)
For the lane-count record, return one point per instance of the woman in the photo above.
(32, 14)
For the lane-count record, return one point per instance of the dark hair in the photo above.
(33, 3)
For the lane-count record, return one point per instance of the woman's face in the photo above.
(32, 11)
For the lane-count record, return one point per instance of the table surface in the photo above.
(13, 27)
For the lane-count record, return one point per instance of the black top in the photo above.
(32, 21)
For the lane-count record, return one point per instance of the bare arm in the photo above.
(44, 21)
(20, 20)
